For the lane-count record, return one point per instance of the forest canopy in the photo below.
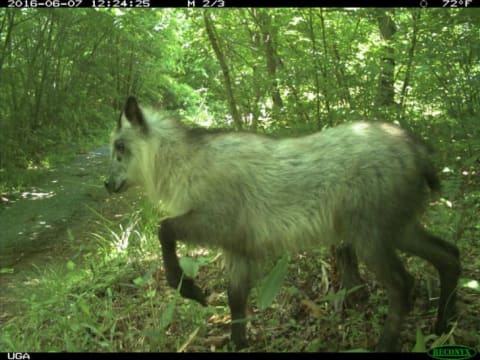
(64, 75)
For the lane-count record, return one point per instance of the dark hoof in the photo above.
(383, 347)
(388, 344)
(191, 291)
(237, 345)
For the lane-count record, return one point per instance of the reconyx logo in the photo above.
(455, 352)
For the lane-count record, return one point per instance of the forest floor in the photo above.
(52, 224)
(49, 223)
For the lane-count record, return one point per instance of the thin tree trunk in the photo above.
(6, 27)
(326, 92)
(45, 72)
(262, 19)
(315, 61)
(223, 65)
(411, 54)
(340, 76)
(256, 78)
(385, 91)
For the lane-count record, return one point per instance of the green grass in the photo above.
(111, 295)
(107, 299)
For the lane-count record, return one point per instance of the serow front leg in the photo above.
(167, 235)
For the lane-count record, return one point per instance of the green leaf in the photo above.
(93, 329)
(84, 307)
(70, 265)
(420, 342)
(272, 283)
(189, 266)
(70, 236)
(140, 281)
(167, 315)
(341, 294)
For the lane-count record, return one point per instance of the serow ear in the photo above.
(134, 114)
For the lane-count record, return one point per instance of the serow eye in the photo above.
(120, 147)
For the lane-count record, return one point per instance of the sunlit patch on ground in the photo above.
(37, 195)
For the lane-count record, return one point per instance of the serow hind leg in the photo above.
(350, 278)
(398, 283)
(445, 257)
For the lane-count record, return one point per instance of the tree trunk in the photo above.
(6, 27)
(385, 92)
(223, 65)
(263, 21)
(411, 54)
(40, 90)
(322, 67)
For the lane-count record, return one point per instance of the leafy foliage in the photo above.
(60, 81)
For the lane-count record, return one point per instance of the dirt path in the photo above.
(48, 222)
(58, 200)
